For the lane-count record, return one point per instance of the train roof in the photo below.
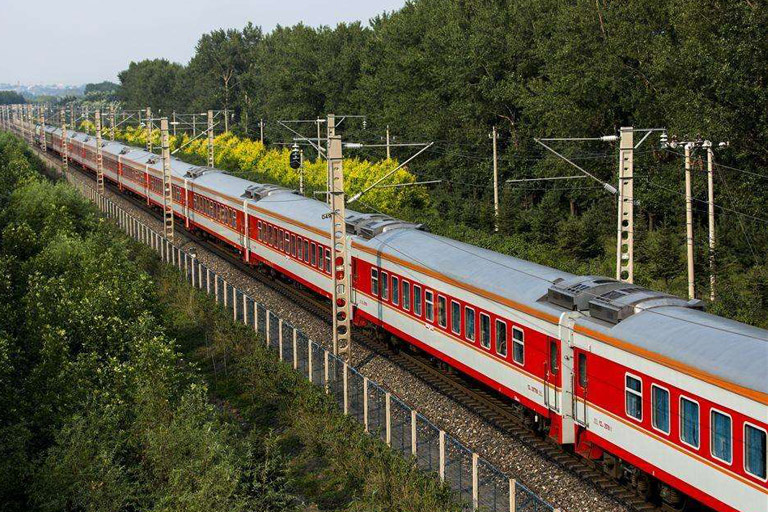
(515, 279)
(730, 350)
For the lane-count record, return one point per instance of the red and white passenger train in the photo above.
(660, 393)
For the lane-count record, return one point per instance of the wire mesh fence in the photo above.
(427, 444)
(479, 484)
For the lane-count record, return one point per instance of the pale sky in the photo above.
(81, 41)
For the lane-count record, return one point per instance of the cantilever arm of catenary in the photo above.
(390, 173)
(607, 186)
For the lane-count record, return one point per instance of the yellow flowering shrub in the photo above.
(249, 159)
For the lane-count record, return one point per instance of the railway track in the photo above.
(475, 397)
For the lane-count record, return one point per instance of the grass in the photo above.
(320, 456)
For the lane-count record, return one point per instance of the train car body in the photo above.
(667, 396)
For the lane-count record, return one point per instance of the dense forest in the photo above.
(122, 388)
(11, 98)
(448, 71)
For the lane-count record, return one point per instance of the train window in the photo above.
(306, 251)
(328, 260)
(293, 245)
(406, 295)
(689, 422)
(633, 392)
(259, 230)
(485, 331)
(754, 451)
(455, 317)
(469, 323)
(582, 370)
(720, 438)
(442, 311)
(417, 300)
(395, 290)
(299, 247)
(281, 240)
(660, 408)
(518, 345)
(384, 286)
(375, 282)
(429, 305)
(287, 242)
(554, 359)
(501, 338)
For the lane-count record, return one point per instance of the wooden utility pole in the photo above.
(340, 262)
(494, 136)
(167, 180)
(318, 138)
(711, 208)
(625, 241)
(173, 122)
(210, 138)
(72, 120)
(261, 131)
(689, 218)
(194, 126)
(226, 121)
(149, 129)
(99, 157)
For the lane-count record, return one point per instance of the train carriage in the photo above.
(662, 394)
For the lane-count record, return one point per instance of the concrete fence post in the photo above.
(280, 338)
(441, 469)
(388, 416)
(309, 360)
(245, 309)
(413, 432)
(345, 378)
(365, 403)
(325, 369)
(295, 351)
(475, 487)
(512, 495)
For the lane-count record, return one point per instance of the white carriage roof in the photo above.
(506, 276)
(731, 350)
(302, 209)
(223, 183)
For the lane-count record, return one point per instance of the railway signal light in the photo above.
(295, 160)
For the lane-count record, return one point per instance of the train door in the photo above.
(581, 381)
(120, 172)
(552, 375)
